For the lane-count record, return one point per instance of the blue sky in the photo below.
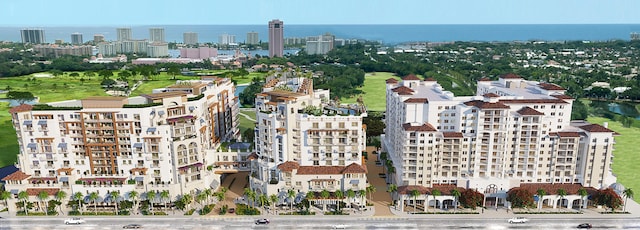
(251, 12)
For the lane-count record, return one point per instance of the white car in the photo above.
(518, 220)
(339, 226)
(74, 220)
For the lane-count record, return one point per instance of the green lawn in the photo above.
(9, 144)
(246, 123)
(373, 91)
(55, 88)
(625, 162)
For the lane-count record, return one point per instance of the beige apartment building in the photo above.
(512, 132)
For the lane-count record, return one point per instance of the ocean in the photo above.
(388, 34)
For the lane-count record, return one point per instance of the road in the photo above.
(325, 222)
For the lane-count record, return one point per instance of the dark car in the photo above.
(232, 210)
(262, 221)
(585, 225)
(132, 226)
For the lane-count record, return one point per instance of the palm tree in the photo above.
(251, 196)
(133, 195)
(273, 198)
(93, 197)
(340, 196)
(325, 195)
(60, 196)
(415, 193)
(562, 193)
(435, 193)
(370, 190)
(220, 196)
(115, 194)
(310, 196)
(200, 199)
(263, 199)
(362, 194)
(43, 196)
(350, 195)
(393, 188)
(627, 193)
(5, 195)
(541, 193)
(291, 194)
(79, 197)
(456, 194)
(151, 195)
(209, 193)
(582, 192)
(187, 199)
(165, 196)
(24, 196)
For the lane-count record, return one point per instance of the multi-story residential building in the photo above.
(156, 34)
(512, 132)
(97, 38)
(226, 39)
(276, 37)
(107, 49)
(124, 34)
(76, 39)
(154, 142)
(158, 49)
(304, 142)
(33, 36)
(198, 53)
(190, 38)
(59, 50)
(319, 44)
(252, 38)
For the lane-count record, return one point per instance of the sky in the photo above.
(317, 12)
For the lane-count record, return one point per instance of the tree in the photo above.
(173, 71)
(627, 193)
(370, 190)
(350, 195)
(133, 195)
(456, 194)
(273, 198)
(43, 196)
(5, 195)
(200, 198)
(60, 195)
(609, 198)
(582, 192)
(220, 196)
(540, 194)
(562, 193)
(74, 74)
(151, 196)
(471, 198)
(187, 199)
(209, 193)
(115, 194)
(263, 200)
(250, 194)
(20, 96)
(24, 196)
(165, 196)
(93, 197)
(414, 194)
(310, 196)
(78, 196)
(434, 193)
(520, 198)
(291, 194)
(393, 188)
(340, 196)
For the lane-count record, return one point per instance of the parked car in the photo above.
(132, 226)
(262, 221)
(74, 220)
(232, 210)
(518, 220)
(585, 225)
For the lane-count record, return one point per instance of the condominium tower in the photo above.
(276, 38)
(190, 38)
(320, 44)
(156, 34)
(76, 39)
(124, 34)
(33, 36)
(512, 131)
(252, 38)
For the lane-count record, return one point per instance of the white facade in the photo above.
(513, 131)
(252, 38)
(190, 38)
(158, 50)
(156, 35)
(320, 44)
(226, 39)
(155, 142)
(124, 34)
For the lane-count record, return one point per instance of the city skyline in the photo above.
(349, 12)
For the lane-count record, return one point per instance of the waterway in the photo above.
(622, 108)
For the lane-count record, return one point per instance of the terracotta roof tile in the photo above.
(16, 176)
(486, 105)
(426, 127)
(595, 128)
(549, 86)
(452, 135)
(430, 79)
(21, 108)
(533, 101)
(490, 95)
(417, 100)
(552, 189)
(320, 170)
(403, 90)
(484, 79)
(288, 166)
(354, 168)
(527, 111)
(510, 76)
(566, 134)
(411, 77)
(36, 191)
(562, 96)
(391, 81)
(252, 156)
(445, 189)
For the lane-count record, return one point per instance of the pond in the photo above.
(622, 108)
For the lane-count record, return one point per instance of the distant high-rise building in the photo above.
(252, 38)
(320, 44)
(97, 38)
(156, 34)
(124, 34)
(635, 36)
(276, 37)
(190, 38)
(226, 39)
(34, 36)
(158, 49)
(76, 38)
(58, 41)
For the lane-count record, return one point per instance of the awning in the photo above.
(354, 182)
(139, 178)
(14, 191)
(192, 108)
(62, 145)
(32, 145)
(42, 122)
(27, 122)
(64, 179)
(160, 113)
(137, 145)
(151, 129)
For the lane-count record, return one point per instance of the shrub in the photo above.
(206, 209)
(243, 209)
(190, 212)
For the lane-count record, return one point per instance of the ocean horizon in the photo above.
(387, 34)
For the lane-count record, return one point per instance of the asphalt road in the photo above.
(325, 222)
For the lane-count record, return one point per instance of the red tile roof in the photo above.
(354, 168)
(510, 76)
(527, 111)
(562, 96)
(36, 191)
(484, 79)
(452, 134)
(486, 105)
(552, 189)
(403, 90)
(324, 170)
(549, 86)
(533, 101)
(430, 79)
(391, 81)
(426, 127)
(288, 166)
(21, 108)
(411, 77)
(490, 95)
(595, 128)
(417, 100)
(445, 189)
(566, 134)
(16, 176)
(252, 156)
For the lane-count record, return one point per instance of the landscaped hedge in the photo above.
(190, 212)
(77, 213)
(243, 209)
(609, 212)
(206, 209)
(526, 212)
(445, 213)
(300, 213)
(141, 105)
(48, 107)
